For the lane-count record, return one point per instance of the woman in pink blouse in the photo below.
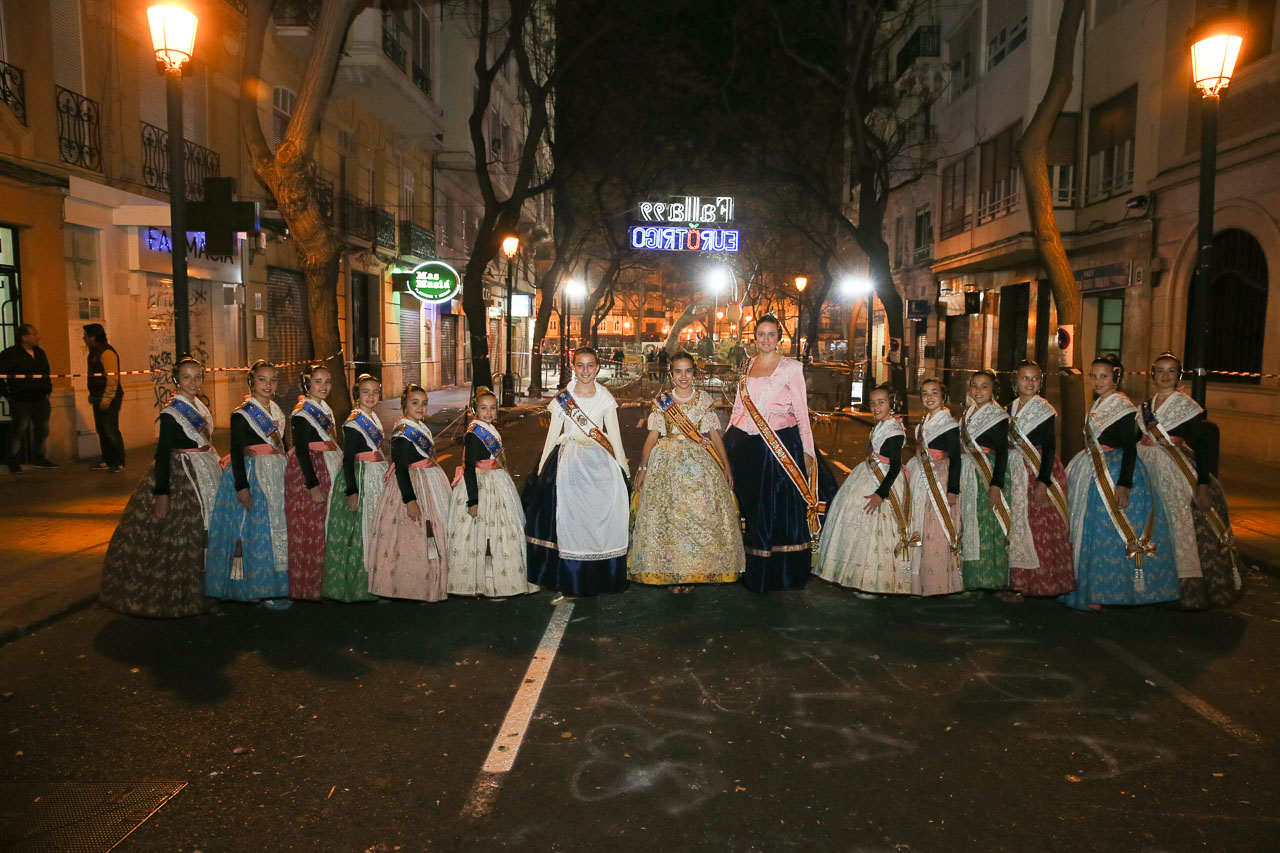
(776, 531)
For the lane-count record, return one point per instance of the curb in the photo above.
(17, 632)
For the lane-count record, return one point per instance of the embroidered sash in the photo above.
(984, 469)
(1032, 457)
(263, 424)
(937, 498)
(367, 425)
(419, 438)
(814, 508)
(901, 511)
(316, 414)
(491, 441)
(582, 420)
(1136, 547)
(192, 419)
(1155, 429)
(666, 401)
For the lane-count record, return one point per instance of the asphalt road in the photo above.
(720, 720)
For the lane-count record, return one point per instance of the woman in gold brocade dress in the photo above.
(687, 528)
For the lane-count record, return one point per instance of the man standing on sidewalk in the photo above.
(105, 397)
(28, 398)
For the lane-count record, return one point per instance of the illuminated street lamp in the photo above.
(173, 37)
(853, 287)
(510, 245)
(1215, 46)
(801, 283)
(718, 280)
(571, 289)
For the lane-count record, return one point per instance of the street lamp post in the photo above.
(510, 245)
(173, 36)
(564, 330)
(1215, 46)
(801, 283)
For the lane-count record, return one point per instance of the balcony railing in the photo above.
(13, 90)
(384, 226)
(925, 41)
(922, 254)
(324, 197)
(394, 36)
(421, 79)
(356, 218)
(78, 129)
(1000, 200)
(953, 226)
(417, 241)
(296, 13)
(199, 162)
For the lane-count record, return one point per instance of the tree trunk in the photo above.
(1033, 149)
(476, 310)
(687, 318)
(326, 336)
(877, 251)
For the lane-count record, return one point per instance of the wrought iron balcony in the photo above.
(13, 90)
(925, 41)
(199, 162)
(417, 241)
(384, 225)
(295, 13)
(324, 197)
(356, 218)
(78, 129)
(394, 37)
(421, 79)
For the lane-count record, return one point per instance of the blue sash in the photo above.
(190, 414)
(367, 426)
(317, 414)
(265, 424)
(417, 437)
(493, 445)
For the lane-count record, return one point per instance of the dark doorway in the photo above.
(1238, 311)
(449, 349)
(1014, 304)
(364, 325)
(10, 310)
(288, 331)
(957, 356)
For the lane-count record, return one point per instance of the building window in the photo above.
(1238, 312)
(961, 47)
(899, 239)
(924, 234)
(1112, 125)
(406, 192)
(1262, 17)
(420, 48)
(1103, 9)
(956, 210)
(1062, 160)
(998, 177)
(1110, 324)
(281, 111)
(1006, 28)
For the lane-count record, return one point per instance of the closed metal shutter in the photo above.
(288, 330)
(411, 340)
(449, 349)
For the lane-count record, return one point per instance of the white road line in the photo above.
(1182, 694)
(502, 755)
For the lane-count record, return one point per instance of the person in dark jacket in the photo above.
(105, 396)
(28, 397)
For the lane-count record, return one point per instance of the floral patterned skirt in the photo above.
(306, 521)
(934, 567)
(864, 551)
(410, 558)
(1221, 584)
(1051, 538)
(487, 552)
(247, 558)
(345, 576)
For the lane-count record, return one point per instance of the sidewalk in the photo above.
(55, 525)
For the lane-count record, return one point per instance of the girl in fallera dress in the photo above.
(686, 528)
(934, 474)
(867, 540)
(155, 562)
(984, 502)
(1040, 560)
(308, 478)
(248, 556)
(486, 522)
(576, 507)
(1119, 532)
(409, 547)
(782, 490)
(353, 503)
(1177, 447)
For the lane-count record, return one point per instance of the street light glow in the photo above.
(801, 283)
(173, 34)
(1215, 47)
(855, 286)
(718, 279)
(575, 289)
(510, 245)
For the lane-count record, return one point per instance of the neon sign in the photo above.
(689, 209)
(675, 238)
(431, 281)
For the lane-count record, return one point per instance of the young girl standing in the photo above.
(409, 546)
(248, 555)
(935, 477)
(576, 507)
(486, 522)
(984, 506)
(1040, 560)
(155, 562)
(308, 477)
(354, 501)
(686, 528)
(867, 541)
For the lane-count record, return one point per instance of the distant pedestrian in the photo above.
(28, 398)
(663, 360)
(105, 397)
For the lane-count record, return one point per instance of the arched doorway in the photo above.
(1238, 307)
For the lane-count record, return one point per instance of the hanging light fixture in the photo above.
(1215, 47)
(173, 34)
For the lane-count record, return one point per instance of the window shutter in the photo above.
(68, 58)
(1062, 142)
(151, 100)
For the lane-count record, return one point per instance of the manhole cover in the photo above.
(76, 817)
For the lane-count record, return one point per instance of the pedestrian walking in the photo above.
(1040, 560)
(781, 488)
(867, 540)
(686, 529)
(353, 502)
(486, 522)
(155, 562)
(984, 502)
(934, 473)
(308, 479)
(105, 397)
(1119, 531)
(576, 505)
(1177, 446)
(248, 556)
(664, 360)
(25, 383)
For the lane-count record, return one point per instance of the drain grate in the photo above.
(76, 817)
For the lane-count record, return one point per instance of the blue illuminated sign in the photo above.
(676, 238)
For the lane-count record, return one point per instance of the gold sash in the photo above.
(677, 418)
(808, 490)
(1136, 547)
(939, 499)
(1032, 456)
(984, 469)
(901, 514)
